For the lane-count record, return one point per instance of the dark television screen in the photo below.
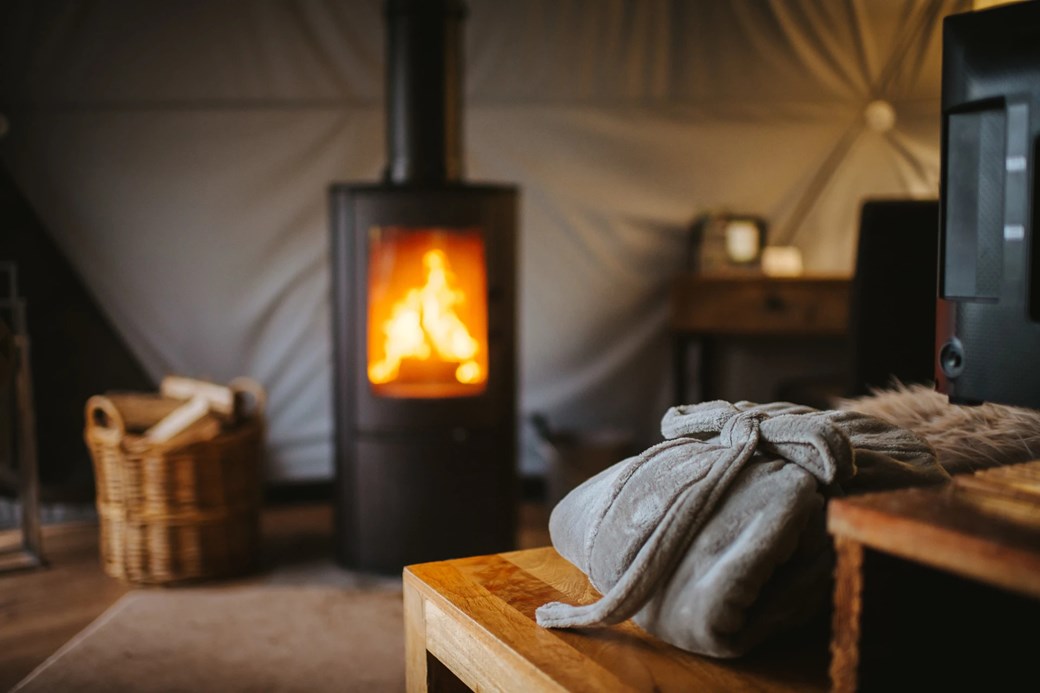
(988, 314)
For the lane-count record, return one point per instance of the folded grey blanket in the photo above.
(715, 539)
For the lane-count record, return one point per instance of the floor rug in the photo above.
(268, 637)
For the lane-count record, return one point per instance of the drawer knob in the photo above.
(775, 304)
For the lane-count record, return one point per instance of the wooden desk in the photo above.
(939, 587)
(470, 623)
(707, 308)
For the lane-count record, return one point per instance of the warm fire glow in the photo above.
(425, 323)
(427, 313)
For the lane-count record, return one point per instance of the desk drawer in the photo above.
(761, 306)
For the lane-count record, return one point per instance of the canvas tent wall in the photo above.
(180, 153)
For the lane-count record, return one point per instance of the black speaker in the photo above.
(988, 323)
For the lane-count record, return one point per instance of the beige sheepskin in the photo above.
(965, 438)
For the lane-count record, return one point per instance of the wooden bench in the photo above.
(470, 622)
(936, 588)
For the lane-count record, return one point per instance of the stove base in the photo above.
(417, 498)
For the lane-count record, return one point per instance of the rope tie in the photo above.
(806, 438)
(657, 558)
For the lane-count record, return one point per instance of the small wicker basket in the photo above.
(184, 510)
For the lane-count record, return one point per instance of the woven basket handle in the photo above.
(103, 417)
(254, 395)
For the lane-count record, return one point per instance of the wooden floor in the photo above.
(41, 609)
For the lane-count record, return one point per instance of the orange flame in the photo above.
(424, 346)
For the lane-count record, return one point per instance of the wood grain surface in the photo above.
(476, 615)
(848, 605)
(970, 530)
(922, 573)
(40, 609)
(761, 305)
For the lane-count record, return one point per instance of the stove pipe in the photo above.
(424, 91)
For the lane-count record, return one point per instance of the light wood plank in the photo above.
(478, 658)
(484, 609)
(467, 622)
(218, 398)
(415, 639)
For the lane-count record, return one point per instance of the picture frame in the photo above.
(727, 243)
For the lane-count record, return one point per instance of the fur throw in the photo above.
(965, 438)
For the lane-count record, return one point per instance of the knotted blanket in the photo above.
(715, 538)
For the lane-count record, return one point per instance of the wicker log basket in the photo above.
(179, 480)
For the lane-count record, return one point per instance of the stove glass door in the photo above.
(427, 312)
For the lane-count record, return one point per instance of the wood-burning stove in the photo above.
(424, 270)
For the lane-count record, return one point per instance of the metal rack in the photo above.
(18, 450)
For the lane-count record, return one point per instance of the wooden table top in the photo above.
(479, 612)
(984, 526)
(814, 305)
(919, 630)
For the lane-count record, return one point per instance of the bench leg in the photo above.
(845, 630)
(414, 641)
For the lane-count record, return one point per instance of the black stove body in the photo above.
(424, 325)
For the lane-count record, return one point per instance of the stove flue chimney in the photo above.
(424, 91)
